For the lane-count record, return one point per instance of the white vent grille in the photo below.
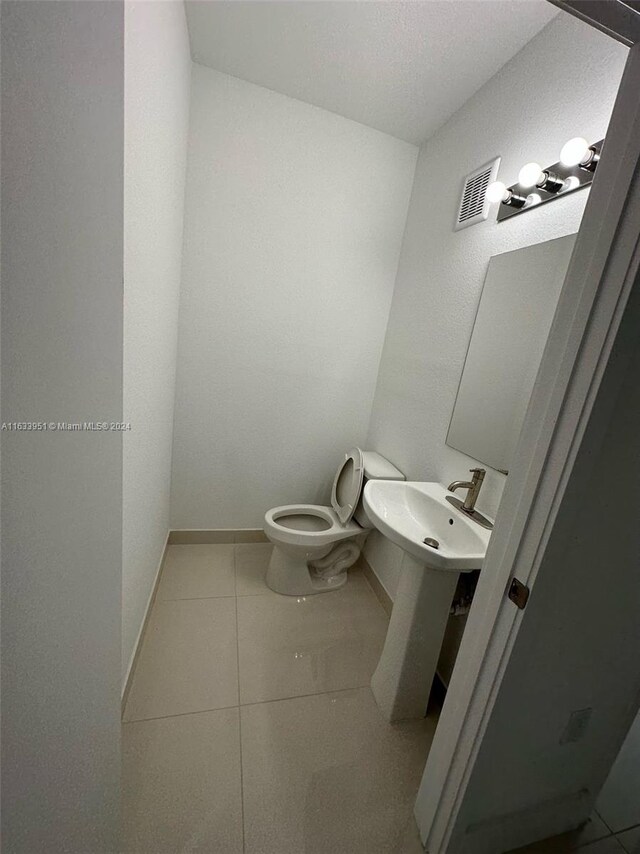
(473, 205)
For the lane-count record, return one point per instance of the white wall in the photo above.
(157, 78)
(293, 225)
(562, 84)
(62, 177)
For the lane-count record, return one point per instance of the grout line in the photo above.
(302, 696)
(197, 598)
(181, 714)
(255, 703)
(235, 579)
(624, 829)
(344, 588)
(603, 820)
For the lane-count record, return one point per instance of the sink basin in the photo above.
(408, 512)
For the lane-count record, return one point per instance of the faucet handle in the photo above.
(478, 473)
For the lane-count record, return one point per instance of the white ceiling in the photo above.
(401, 67)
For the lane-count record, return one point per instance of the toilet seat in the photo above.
(347, 485)
(332, 531)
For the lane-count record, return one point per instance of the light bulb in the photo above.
(533, 199)
(574, 151)
(496, 192)
(530, 175)
(570, 183)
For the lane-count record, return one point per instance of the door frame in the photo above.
(616, 18)
(603, 267)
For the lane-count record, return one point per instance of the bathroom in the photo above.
(326, 302)
(302, 299)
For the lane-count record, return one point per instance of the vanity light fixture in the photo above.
(538, 185)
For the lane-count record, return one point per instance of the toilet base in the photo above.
(292, 573)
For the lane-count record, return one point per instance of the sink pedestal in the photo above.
(402, 680)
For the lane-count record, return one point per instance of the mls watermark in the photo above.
(65, 426)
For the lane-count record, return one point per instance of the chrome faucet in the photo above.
(472, 485)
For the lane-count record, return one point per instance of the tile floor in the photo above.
(619, 800)
(250, 726)
(595, 837)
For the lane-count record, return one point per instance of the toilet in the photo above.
(315, 545)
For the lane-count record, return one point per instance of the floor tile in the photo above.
(619, 803)
(593, 830)
(252, 560)
(291, 646)
(188, 660)
(194, 572)
(630, 840)
(328, 775)
(181, 784)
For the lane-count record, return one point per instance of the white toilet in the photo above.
(315, 545)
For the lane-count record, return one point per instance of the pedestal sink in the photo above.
(439, 542)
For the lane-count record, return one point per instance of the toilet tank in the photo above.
(376, 467)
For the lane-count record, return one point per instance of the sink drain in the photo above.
(429, 541)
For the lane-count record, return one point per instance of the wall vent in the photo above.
(474, 207)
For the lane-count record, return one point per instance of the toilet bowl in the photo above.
(314, 545)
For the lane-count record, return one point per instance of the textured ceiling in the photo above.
(403, 68)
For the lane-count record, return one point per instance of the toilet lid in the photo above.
(347, 485)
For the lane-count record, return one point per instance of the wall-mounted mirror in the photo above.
(517, 305)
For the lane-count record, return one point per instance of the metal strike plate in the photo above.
(518, 593)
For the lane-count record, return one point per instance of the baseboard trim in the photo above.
(376, 585)
(201, 536)
(143, 628)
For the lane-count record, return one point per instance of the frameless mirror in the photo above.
(511, 328)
